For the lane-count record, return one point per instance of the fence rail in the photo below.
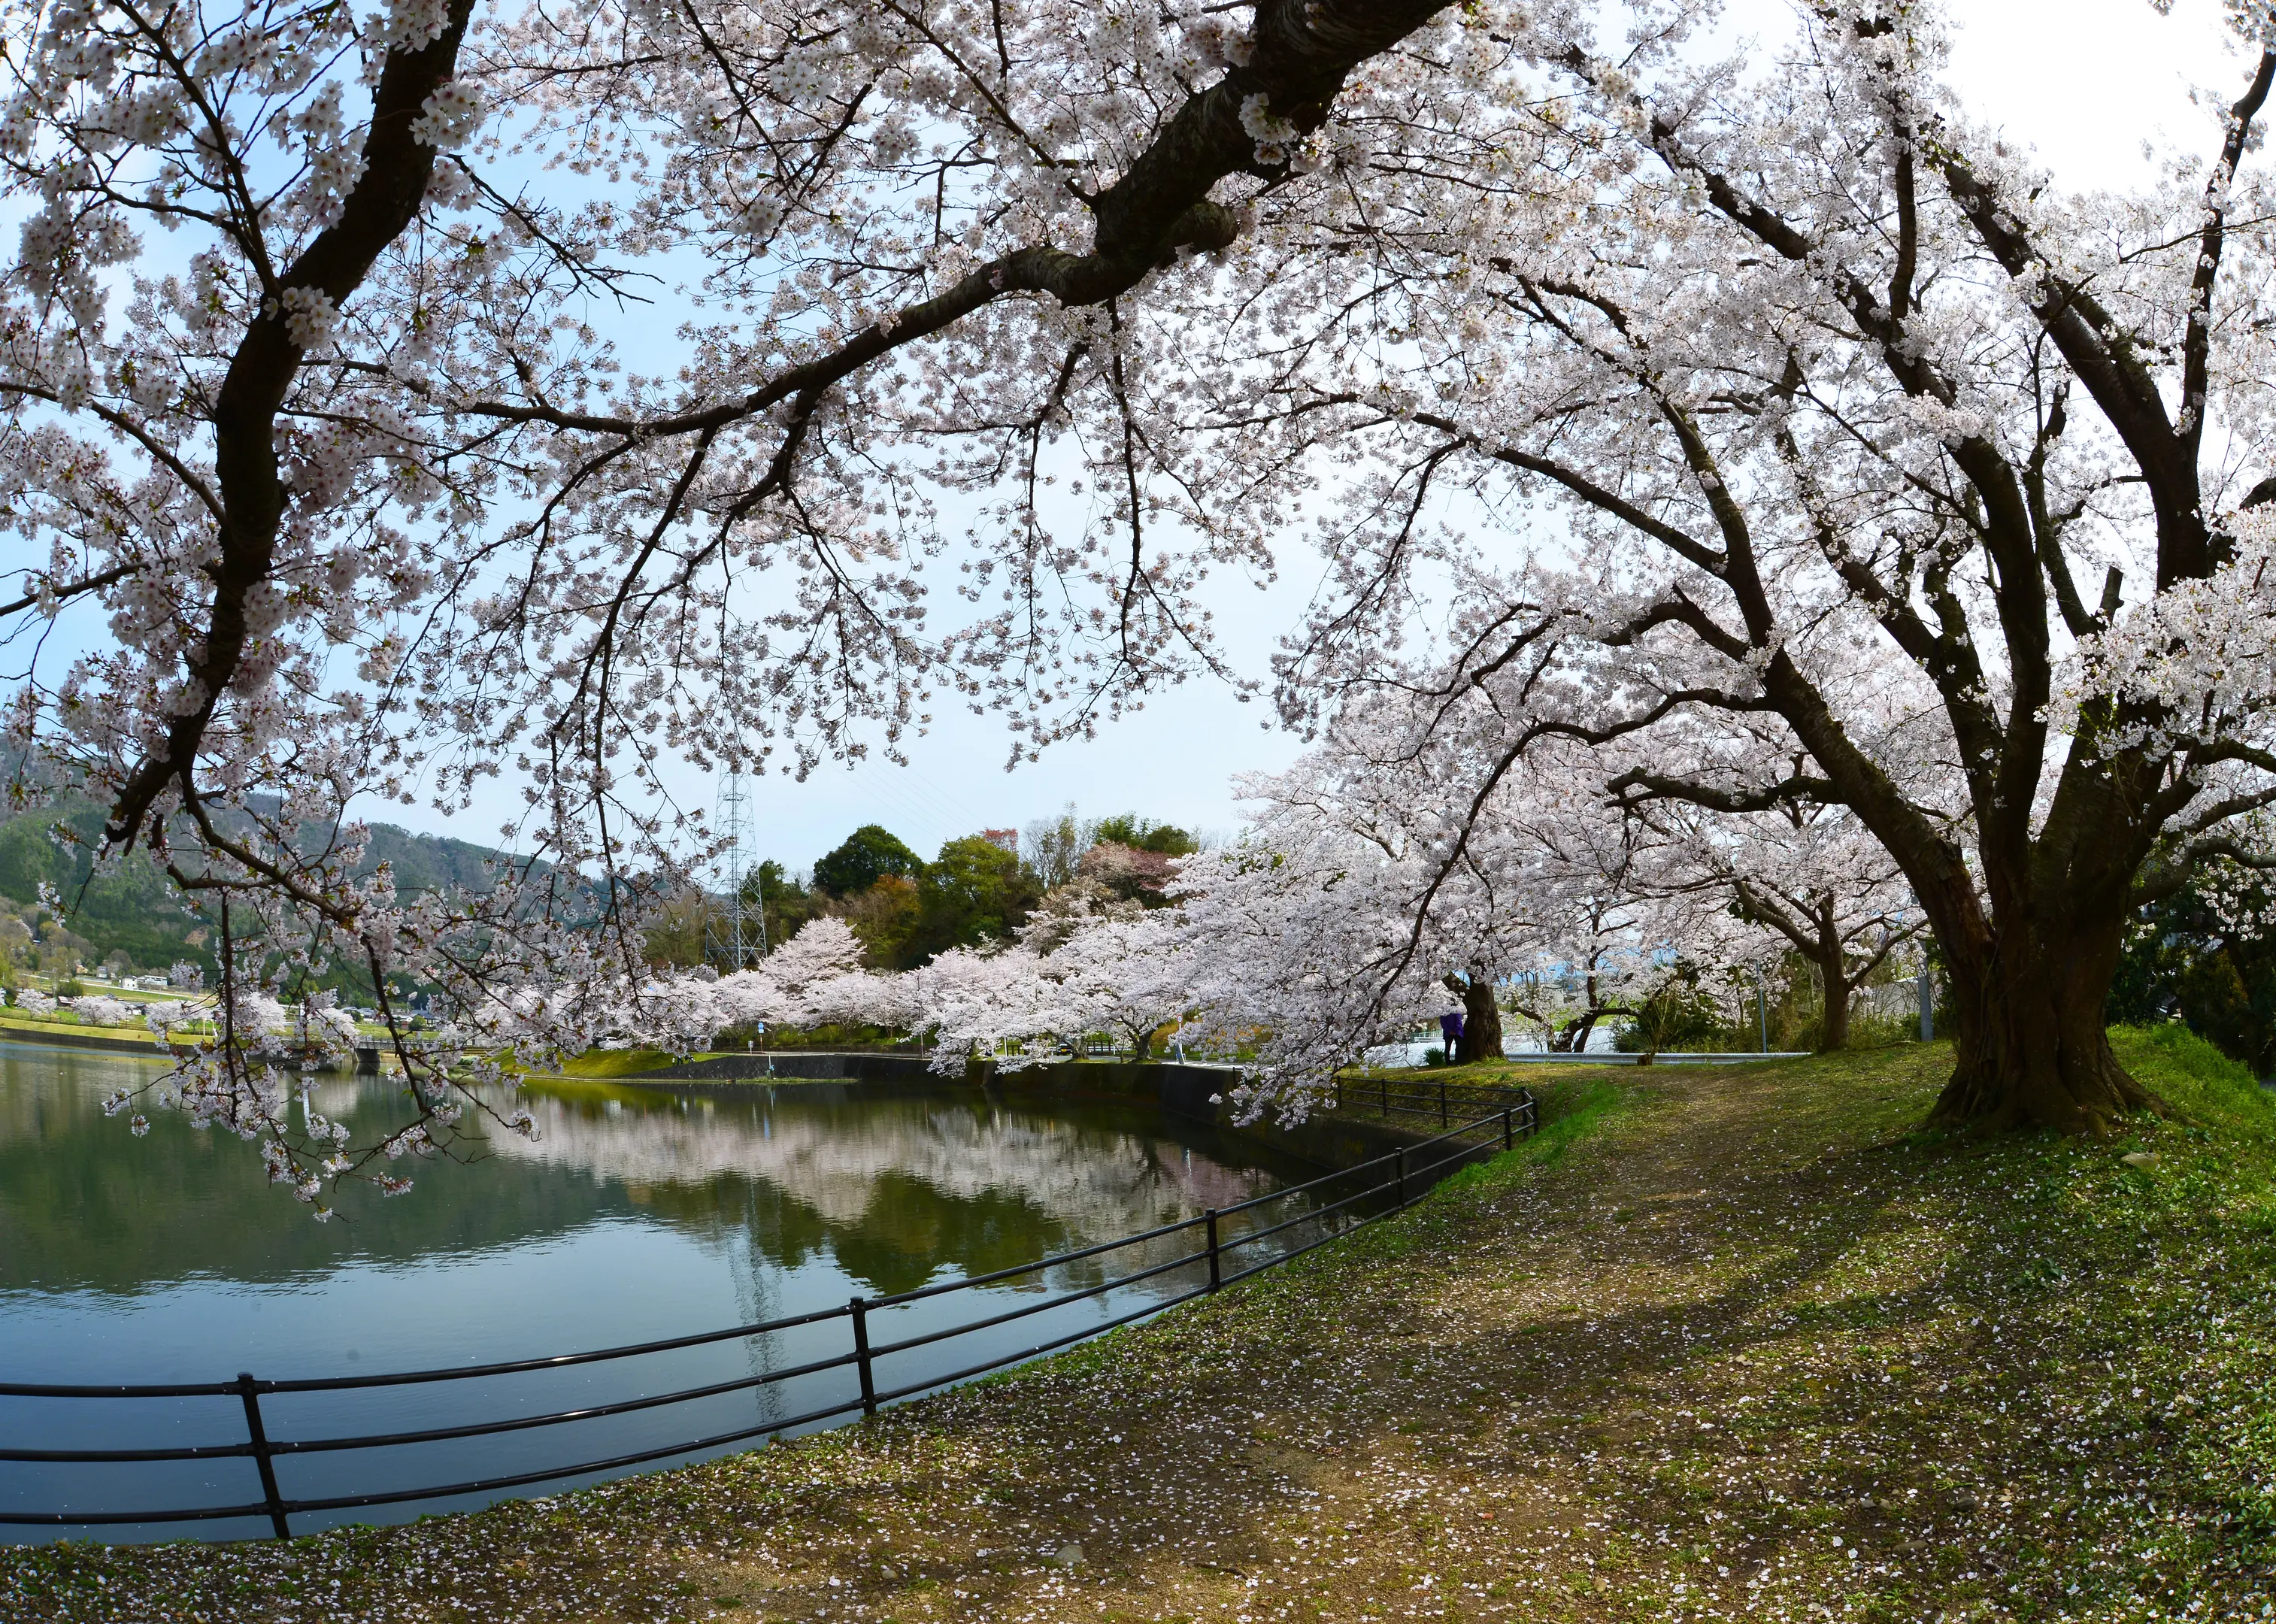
(1394, 1181)
(1431, 1098)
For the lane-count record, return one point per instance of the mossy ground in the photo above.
(1721, 1344)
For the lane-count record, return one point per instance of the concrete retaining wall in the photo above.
(1185, 1091)
(69, 1037)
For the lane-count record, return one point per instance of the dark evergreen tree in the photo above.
(866, 856)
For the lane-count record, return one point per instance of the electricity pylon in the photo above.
(738, 937)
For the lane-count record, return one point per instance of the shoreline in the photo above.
(1688, 1351)
(81, 1038)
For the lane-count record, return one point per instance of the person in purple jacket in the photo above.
(1450, 1029)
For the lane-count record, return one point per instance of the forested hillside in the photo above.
(132, 909)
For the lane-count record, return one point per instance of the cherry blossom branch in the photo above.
(397, 168)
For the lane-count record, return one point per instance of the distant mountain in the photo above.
(134, 908)
(429, 862)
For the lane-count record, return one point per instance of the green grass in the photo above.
(619, 1062)
(69, 1021)
(2203, 1082)
(1750, 1344)
(1571, 1113)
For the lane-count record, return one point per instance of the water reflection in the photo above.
(916, 1184)
(898, 1189)
(637, 1214)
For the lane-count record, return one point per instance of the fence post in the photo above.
(1385, 1084)
(250, 1390)
(1216, 1273)
(1402, 1175)
(1442, 1105)
(1508, 1139)
(859, 1309)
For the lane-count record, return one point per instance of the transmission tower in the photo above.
(737, 936)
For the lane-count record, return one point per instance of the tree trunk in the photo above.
(1574, 1038)
(2029, 1046)
(1482, 1038)
(1833, 1023)
(1830, 965)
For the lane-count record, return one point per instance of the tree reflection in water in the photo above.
(896, 1189)
(637, 1215)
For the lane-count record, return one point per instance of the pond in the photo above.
(639, 1214)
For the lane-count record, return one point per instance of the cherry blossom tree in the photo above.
(1817, 877)
(1408, 867)
(316, 354)
(996, 1005)
(315, 399)
(1124, 975)
(1818, 369)
(1605, 943)
(1299, 959)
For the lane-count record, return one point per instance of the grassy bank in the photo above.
(620, 1062)
(123, 1038)
(632, 1062)
(1738, 1344)
(66, 1021)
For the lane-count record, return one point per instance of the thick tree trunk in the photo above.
(1482, 1037)
(2029, 1040)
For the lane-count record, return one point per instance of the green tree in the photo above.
(781, 899)
(1143, 834)
(2207, 954)
(867, 856)
(886, 918)
(973, 891)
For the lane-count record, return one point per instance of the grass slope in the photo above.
(1741, 1344)
(619, 1062)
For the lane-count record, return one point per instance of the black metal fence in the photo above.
(1431, 1098)
(1231, 1243)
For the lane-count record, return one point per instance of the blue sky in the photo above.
(2084, 82)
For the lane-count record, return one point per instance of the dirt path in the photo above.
(1748, 1351)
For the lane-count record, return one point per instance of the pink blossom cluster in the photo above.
(402, 402)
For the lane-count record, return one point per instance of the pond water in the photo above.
(638, 1215)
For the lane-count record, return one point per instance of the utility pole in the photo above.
(1927, 1000)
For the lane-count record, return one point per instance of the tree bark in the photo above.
(2029, 1046)
(1833, 1025)
(1482, 1037)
